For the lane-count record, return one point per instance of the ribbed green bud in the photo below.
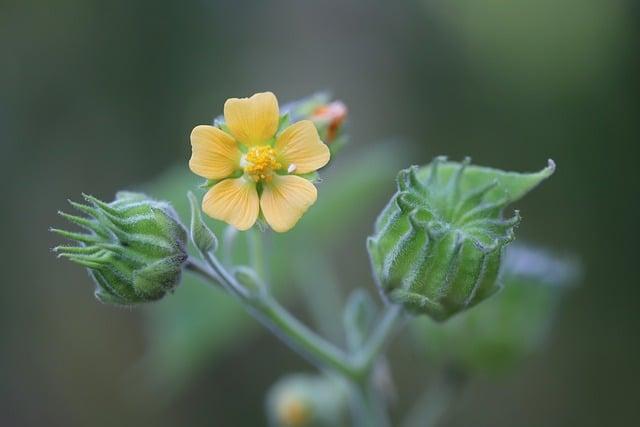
(134, 249)
(437, 246)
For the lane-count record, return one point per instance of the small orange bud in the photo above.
(333, 115)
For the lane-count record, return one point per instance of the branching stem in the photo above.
(356, 367)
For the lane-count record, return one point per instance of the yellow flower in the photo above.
(259, 170)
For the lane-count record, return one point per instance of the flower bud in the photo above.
(134, 249)
(328, 115)
(437, 246)
(301, 400)
(329, 119)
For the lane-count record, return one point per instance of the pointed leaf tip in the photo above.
(551, 165)
(201, 235)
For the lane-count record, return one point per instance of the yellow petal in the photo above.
(214, 153)
(300, 145)
(285, 199)
(234, 201)
(252, 120)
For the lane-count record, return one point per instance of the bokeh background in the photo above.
(97, 96)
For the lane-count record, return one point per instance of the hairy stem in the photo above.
(301, 338)
(374, 346)
(367, 406)
(202, 270)
(256, 252)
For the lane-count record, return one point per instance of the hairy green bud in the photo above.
(437, 246)
(134, 249)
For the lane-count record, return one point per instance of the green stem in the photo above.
(429, 409)
(368, 410)
(229, 239)
(374, 346)
(301, 338)
(278, 319)
(320, 292)
(202, 270)
(367, 407)
(256, 253)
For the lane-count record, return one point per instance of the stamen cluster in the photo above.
(261, 163)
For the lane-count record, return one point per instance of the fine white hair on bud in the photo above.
(292, 168)
(134, 247)
(437, 246)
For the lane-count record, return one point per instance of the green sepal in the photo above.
(511, 186)
(437, 246)
(220, 124)
(305, 107)
(314, 177)
(283, 123)
(201, 235)
(208, 183)
(153, 280)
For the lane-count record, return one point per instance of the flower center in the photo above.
(261, 163)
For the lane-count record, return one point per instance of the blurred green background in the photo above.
(98, 96)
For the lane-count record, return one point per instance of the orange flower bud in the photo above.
(331, 115)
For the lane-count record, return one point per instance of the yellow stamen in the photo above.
(261, 163)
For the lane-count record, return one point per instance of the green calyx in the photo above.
(437, 246)
(134, 248)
